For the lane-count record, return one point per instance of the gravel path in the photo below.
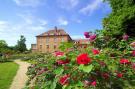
(20, 78)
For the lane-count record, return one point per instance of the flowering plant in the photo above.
(88, 68)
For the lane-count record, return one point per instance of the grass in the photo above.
(7, 72)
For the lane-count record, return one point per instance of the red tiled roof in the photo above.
(54, 31)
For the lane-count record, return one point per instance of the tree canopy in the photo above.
(121, 20)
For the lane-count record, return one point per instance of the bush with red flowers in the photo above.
(89, 68)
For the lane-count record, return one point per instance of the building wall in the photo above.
(33, 48)
(50, 43)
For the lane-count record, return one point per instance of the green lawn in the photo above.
(7, 72)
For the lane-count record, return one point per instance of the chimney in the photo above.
(55, 28)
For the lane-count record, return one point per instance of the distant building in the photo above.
(82, 43)
(50, 40)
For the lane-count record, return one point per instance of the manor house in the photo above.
(49, 41)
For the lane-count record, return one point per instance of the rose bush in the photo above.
(89, 68)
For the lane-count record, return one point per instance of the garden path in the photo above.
(21, 77)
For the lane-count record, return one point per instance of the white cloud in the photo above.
(3, 25)
(68, 4)
(62, 21)
(30, 19)
(29, 26)
(77, 37)
(91, 7)
(31, 3)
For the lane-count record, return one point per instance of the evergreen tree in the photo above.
(21, 46)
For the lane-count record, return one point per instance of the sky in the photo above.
(33, 17)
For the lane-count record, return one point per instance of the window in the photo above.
(62, 39)
(47, 46)
(47, 40)
(55, 46)
(40, 46)
(55, 40)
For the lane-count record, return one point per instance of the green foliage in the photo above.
(47, 71)
(5, 51)
(86, 69)
(64, 46)
(21, 46)
(121, 20)
(3, 46)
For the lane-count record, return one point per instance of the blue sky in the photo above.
(33, 17)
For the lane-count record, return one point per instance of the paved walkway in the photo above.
(20, 78)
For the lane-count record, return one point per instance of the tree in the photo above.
(121, 20)
(21, 46)
(3, 45)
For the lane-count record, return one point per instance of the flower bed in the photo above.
(88, 68)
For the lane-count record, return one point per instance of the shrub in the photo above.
(84, 69)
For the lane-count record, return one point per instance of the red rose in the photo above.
(93, 83)
(83, 59)
(64, 80)
(133, 66)
(60, 62)
(119, 75)
(133, 53)
(59, 53)
(105, 75)
(95, 51)
(124, 61)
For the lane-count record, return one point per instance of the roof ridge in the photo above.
(55, 31)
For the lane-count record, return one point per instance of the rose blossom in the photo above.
(105, 75)
(60, 62)
(125, 37)
(64, 80)
(133, 66)
(133, 53)
(124, 61)
(92, 37)
(59, 54)
(83, 59)
(93, 83)
(86, 34)
(95, 51)
(119, 75)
